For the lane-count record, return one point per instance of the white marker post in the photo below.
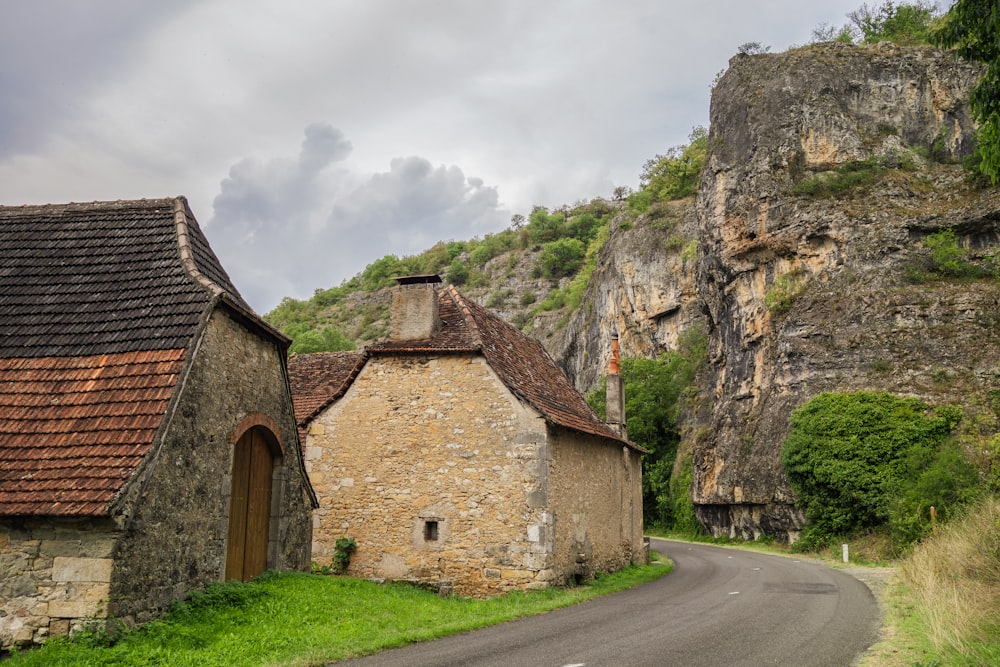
(843, 549)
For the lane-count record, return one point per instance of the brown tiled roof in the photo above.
(319, 379)
(72, 429)
(521, 363)
(98, 305)
(528, 370)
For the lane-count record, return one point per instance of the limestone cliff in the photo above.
(643, 290)
(806, 290)
(828, 168)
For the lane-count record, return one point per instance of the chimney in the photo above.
(414, 311)
(615, 392)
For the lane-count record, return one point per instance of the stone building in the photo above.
(457, 454)
(147, 440)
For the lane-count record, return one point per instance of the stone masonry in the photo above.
(55, 576)
(424, 441)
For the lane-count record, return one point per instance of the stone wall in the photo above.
(595, 493)
(425, 443)
(175, 516)
(55, 576)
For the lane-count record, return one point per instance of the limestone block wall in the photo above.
(595, 493)
(438, 472)
(55, 576)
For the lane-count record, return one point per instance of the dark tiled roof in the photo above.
(98, 305)
(520, 362)
(104, 277)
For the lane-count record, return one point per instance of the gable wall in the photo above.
(596, 497)
(175, 517)
(421, 438)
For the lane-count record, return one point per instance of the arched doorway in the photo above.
(250, 505)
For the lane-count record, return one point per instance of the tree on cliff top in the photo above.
(973, 28)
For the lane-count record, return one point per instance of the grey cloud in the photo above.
(286, 227)
(53, 53)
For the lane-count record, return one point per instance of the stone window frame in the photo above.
(420, 532)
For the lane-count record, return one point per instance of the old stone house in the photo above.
(147, 440)
(458, 454)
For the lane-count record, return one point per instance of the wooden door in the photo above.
(249, 507)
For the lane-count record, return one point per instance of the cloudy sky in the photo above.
(312, 137)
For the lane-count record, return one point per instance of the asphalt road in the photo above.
(718, 607)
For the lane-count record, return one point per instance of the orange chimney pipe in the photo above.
(613, 367)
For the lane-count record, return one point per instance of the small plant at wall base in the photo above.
(342, 552)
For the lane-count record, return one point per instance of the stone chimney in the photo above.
(614, 407)
(414, 312)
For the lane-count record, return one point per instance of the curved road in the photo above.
(718, 607)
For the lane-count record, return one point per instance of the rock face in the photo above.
(803, 288)
(643, 289)
(809, 289)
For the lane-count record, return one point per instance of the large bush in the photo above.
(562, 258)
(653, 390)
(874, 460)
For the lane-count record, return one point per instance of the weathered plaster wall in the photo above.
(176, 515)
(55, 575)
(596, 497)
(434, 438)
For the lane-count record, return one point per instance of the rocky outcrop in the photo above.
(643, 290)
(810, 287)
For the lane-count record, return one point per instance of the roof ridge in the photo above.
(184, 246)
(84, 205)
(467, 315)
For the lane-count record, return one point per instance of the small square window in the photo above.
(430, 531)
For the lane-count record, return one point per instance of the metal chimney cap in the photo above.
(418, 280)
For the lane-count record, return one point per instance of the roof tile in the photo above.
(97, 308)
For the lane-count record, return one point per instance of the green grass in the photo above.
(306, 619)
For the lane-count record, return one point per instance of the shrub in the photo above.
(458, 273)
(343, 548)
(491, 246)
(306, 340)
(783, 291)
(903, 23)
(673, 175)
(544, 227)
(851, 458)
(379, 273)
(562, 258)
(843, 179)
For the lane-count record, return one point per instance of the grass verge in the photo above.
(306, 619)
(943, 609)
